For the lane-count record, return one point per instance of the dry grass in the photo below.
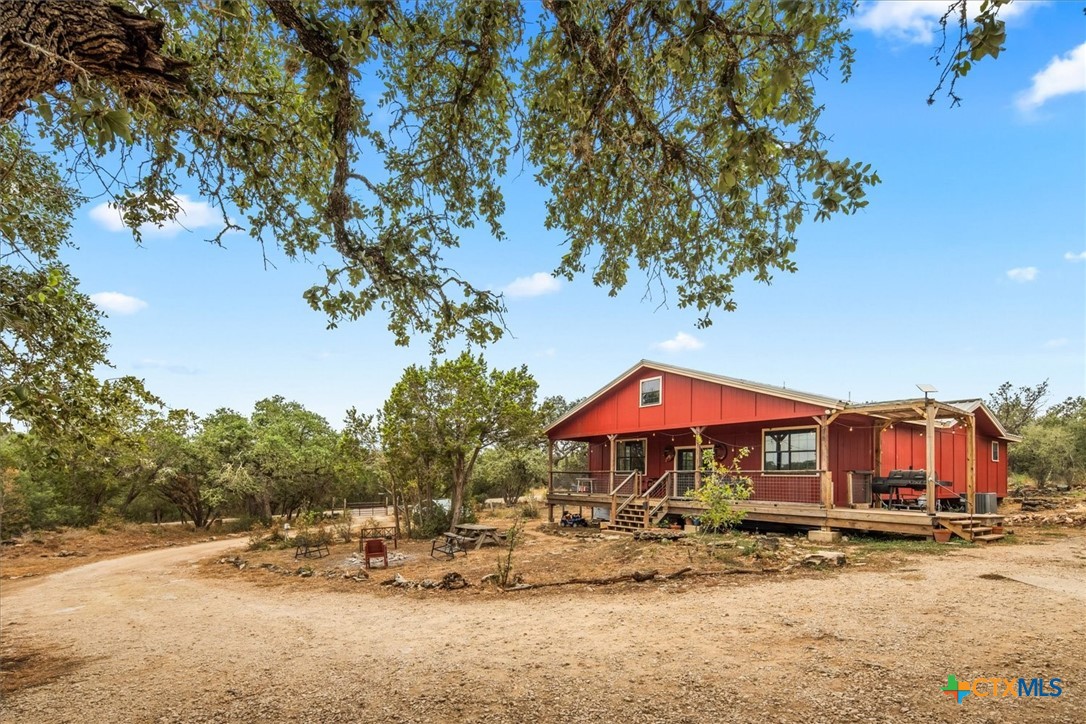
(44, 552)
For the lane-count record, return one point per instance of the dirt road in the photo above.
(144, 638)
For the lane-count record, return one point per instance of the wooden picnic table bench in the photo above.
(479, 534)
(450, 545)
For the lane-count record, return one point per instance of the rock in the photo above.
(65, 554)
(452, 581)
(659, 534)
(489, 578)
(821, 558)
(304, 572)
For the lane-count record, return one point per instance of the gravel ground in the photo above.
(145, 638)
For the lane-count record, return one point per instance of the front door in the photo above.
(685, 465)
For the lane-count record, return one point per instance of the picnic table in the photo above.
(479, 533)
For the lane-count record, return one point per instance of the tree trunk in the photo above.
(45, 44)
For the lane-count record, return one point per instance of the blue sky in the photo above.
(967, 269)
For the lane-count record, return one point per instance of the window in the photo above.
(790, 449)
(630, 455)
(995, 451)
(650, 391)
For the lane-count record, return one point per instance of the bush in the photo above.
(312, 537)
(246, 523)
(429, 522)
(529, 508)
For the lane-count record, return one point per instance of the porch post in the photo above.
(929, 452)
(879, 429)
(697, 456)
(550, 479)
(970, 463)
(550, 465)
(824, 462)
(611, 460)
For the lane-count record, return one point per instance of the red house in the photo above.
(908, 466)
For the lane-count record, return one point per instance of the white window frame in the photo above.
(818, 449)
(641, 391)
(644, 457)
(995, 451)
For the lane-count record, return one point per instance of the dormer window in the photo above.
(650, 391)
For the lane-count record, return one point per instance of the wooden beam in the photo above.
(824, 463)
(550, 465)
(971, 464)
(697, 456)
(611, 465)
(879, 429)
(929, 454)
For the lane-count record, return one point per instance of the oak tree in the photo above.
(447, 413)
(679, 139)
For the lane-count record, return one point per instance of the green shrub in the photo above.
(245, 524)
(529, 508)
(429, 522)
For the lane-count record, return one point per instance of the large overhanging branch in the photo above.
(44, 44)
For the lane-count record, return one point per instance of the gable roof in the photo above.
(783, 392)
(974, 405)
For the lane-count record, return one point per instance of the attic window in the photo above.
(995, 451)
(650, 391)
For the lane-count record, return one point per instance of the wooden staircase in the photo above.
(631, 518)
(979, 527)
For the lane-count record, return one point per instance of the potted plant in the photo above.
(942, 535)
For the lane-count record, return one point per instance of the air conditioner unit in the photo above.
(985, 503)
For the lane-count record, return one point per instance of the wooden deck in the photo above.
(806, 515)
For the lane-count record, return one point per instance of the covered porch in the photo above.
(824, 475)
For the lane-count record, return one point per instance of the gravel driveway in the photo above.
(149, 639)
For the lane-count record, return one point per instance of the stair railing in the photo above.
(650, 514)
(617, 507)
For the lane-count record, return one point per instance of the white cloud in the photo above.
(917, 21)
(1062, 76)
(681, 342)
(1056, 343)
(1075, 256)
(192, 214)
(118, 303)
(1022, 274)
(536, 285)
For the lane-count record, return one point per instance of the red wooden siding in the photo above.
(685, 402)
(903, 448)
(738, 418)
(852, 447)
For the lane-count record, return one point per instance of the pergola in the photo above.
(930, 412)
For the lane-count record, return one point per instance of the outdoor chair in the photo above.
(375, 549)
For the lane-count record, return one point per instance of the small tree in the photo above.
(722, 486)
(443, 416)
(505, 559)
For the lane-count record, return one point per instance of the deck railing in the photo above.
(769, 486)
(778, 487)
(787, 487)
(580, 481)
